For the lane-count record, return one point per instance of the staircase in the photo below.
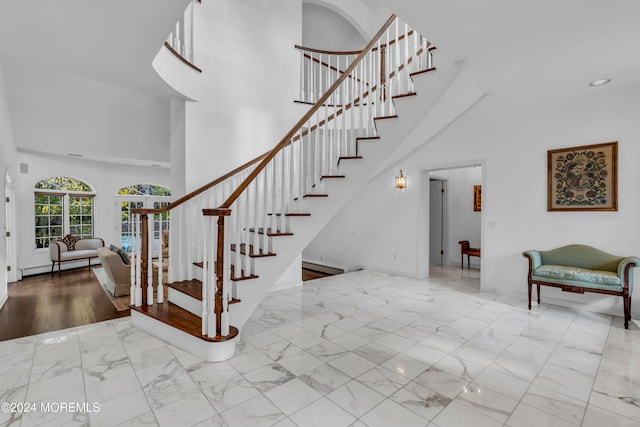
(232, 239)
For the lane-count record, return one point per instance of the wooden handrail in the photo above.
(287, 138)
(200, 190)
(327, 52)
(180, 57)
(352, 52)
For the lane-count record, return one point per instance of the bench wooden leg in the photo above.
(53, 265)
(462, 261)
(627, 310)
(530, 295)
(538, 292)
(468, 261)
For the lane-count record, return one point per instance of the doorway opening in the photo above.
(453, 217)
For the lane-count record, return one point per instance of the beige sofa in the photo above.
(70, 248)
(118, 273)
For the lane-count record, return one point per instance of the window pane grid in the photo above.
(48, 218)
(52, 212)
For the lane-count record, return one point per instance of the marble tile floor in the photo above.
(359, 349)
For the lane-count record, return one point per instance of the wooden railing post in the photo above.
(145, 254)
(220, 304)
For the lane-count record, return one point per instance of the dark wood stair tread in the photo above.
(428, 70)
(270, 233)
(181, 319)
(364, 138)
(331, 177)
(394, 116)
(242, 276)
(193, 288)
(252, 254)
(315, 195)
(348, 158)
(404, 95)
(290, 214)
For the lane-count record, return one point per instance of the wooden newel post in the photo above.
(221, 213)
(145, 254)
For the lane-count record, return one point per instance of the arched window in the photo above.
(63, 205)
(137, 196)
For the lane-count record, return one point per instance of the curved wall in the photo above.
(323, 28)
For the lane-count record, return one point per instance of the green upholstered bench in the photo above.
(580, 269)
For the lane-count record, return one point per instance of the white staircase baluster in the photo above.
(160, 287)
(138, 262)
(132, 256)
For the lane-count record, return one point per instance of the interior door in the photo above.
(436, 221)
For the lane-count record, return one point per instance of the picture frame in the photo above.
(583, 178)
(477, 198)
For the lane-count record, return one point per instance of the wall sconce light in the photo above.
(401, 180)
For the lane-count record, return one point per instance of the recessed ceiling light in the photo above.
(599, 82)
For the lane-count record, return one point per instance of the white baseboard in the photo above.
(4, 300)
(68, 265)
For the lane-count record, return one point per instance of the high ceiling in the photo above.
(534, 52)
(114, 41)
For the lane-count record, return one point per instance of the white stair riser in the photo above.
(209, 351)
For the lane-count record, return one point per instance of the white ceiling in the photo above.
(110, 40)
(537, 51)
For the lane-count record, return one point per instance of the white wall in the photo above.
(62, 113)
(462, 222)
(511, 145)
(250, 77)
(8, 162)
(106, 178)
(322, 28)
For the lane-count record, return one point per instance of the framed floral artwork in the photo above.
(583, 178)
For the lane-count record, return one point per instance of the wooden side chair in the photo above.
(466, 249)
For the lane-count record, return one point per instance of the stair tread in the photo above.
(348, 158)
(181, 319)
(331, 176)
(241, 277)
(428, 70)
(291, 214)
(362, 138)
(315, 195)
(193, 288)
(270, 233)
(252, 254)
(404, 95)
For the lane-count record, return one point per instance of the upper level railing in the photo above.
(320, 68)
(253, 200)
(180, 42)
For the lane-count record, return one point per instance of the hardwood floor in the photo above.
(46, 302)
(312, 274)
